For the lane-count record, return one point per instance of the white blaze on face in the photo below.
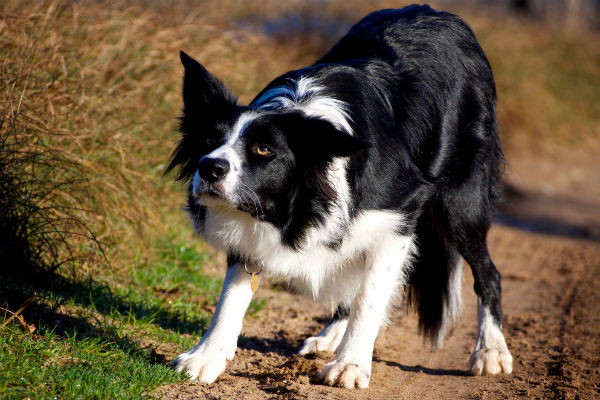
(229, 151)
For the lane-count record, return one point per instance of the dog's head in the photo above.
(266, 162)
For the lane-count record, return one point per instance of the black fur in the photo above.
(421, 100)
(448, 169)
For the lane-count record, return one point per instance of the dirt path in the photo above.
(551, 288)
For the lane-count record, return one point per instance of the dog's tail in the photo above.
(435, 281)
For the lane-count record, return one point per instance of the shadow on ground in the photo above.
(47, 293)
(550, 215)
(425, 370)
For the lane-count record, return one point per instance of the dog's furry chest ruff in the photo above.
(326, 256)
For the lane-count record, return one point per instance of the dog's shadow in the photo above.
(422, 369)
(275, 375)
(282, 346)
(286, 347)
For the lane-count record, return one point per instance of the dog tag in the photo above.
(254, 274)
(254, 282)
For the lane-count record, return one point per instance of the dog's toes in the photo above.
(185, 363)
(490, 362)
(506, 362)
(206, 369)
(211, 370)
(343, 374)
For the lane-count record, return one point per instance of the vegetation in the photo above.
(50, 366)
(101, 280)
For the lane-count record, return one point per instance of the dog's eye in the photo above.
(262, 150)
(210, 141)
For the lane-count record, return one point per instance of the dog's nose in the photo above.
(213, 169)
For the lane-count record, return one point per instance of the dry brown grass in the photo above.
(548, 83)
(90, 95)
(98, 84)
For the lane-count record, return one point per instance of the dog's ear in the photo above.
(318, 138)
(201, 88)
(206, 103)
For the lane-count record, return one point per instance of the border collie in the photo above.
(363, 179)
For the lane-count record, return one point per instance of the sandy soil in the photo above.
(546, 247)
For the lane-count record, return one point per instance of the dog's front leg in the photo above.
(207, 360)
(385, 269)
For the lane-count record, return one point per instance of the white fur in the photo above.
(386, 268)
(329, 109)
(287, 96)
(453, 309)
(491, 356)
(230, 184)
(327, 340)
(278, 97)
(328, 274)
(345, 374)
(207, 360)
(304, 95)
(366, 270)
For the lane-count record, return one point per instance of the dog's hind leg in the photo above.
(467, 221)
(491, 355)
(330, 337)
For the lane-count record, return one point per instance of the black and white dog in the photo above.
(362, 179)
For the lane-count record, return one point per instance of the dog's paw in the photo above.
(314, 344)
(492, 361)
(206, 366)
(327, 340)
(344, 374)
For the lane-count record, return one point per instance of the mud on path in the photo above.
(551, 300)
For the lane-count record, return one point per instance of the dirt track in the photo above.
(551, 300)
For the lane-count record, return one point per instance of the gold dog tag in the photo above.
(254, 282)
(254, 274)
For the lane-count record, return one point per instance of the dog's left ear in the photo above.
(201, 88)
(317, 137)
(206, 102)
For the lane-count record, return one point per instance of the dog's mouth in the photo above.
(251, 208)
(211, 194)
(214, 193)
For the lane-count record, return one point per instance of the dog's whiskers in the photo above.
(255, 199)
(246, 198)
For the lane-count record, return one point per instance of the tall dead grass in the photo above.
(89, 99)
(90, 91)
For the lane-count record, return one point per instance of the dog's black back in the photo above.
(440, 154)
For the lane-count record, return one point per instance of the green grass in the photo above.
(46, 365)
(113, 337)
(89, 228)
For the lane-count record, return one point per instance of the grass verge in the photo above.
(47, 365)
